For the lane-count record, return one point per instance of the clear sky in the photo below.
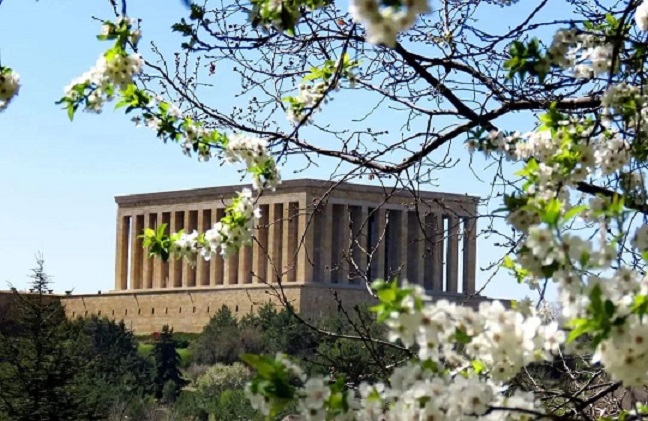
(58, 179)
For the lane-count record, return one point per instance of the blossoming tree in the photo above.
(577, 202)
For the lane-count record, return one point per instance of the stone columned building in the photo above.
(316, 244)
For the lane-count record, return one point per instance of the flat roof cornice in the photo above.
(287, 186)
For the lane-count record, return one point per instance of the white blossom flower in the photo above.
(384, 24)
(9, 86)
(641, 16)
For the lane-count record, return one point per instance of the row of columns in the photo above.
(273, 254)
(355, 243)
(336, 243)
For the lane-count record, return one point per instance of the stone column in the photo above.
(230, 269)
(469, 255)
(216, 263)
(161, 268)
(429, 243)
(260, 247)
(305, 240)
(452, 257)
(149, 222)
(137, 225)
(202, 266)
(360, 222)
(288, 240)
(157, 262)
(121, 252)
(379, 237)
(327, 248)
(189, 271)
(438, 236)
(175, 265)
(342, 242)
(245, 265)
(416, 251)
(275, 229)
(403, 243)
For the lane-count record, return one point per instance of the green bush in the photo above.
(233, 405)
(186, 357)
(219, 378)
(220, 341)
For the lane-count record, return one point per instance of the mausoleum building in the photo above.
(316, 244)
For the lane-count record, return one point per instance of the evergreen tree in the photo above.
(220, 341)
(168, 379)
(113, 369)
(37, 365)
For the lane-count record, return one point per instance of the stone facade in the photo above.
(189, 310)
(315, 238)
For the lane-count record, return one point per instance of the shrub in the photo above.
(220, 377)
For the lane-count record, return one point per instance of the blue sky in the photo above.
(59, 179)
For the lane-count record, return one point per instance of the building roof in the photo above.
(290, 186)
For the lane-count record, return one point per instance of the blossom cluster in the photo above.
(113, 71)
(641, 16)
(565, 257)
(415, 393)
(169, 123)
(598, 294)
(235, 229)
(289, 369)
(9, 86)
(254, 153)
(225, 237)
(310, 99)
(114, 75)
(316, 87)
(623, 350)
(558, 159)
(626, 105)
(501, 339)
(587, 55)
(504, 339)
(97, 86)
(543, 249)
(384, 22)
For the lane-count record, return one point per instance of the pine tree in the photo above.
(168, 378)
(37, 365)
(113, 369)
(219, 341)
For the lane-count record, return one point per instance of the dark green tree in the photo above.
(113, 369)
(220, 341)
(281, 332)
(168, 380)
(356, 360)
(38, 367)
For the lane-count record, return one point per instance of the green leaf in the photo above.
(462, 337)
(573, 212)
(551, 212)
(610, 308)
(387, 295)
(70, 111)
(478, 366)
(161, 229)
(508, 263)
(262, 365)
(579, 328)
(430, 366)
